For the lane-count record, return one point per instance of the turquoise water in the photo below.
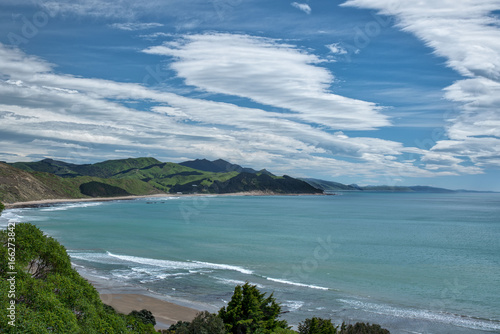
(414, 263)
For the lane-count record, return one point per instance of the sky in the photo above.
(372, 92)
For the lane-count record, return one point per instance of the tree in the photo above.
(145, 316)
(317, 326)
(249, 311)
(2, 207)
(362, 328)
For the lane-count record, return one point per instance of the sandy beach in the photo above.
(125, 298)
(165, 313)
(48, 202)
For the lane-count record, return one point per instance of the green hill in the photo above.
(52, 179)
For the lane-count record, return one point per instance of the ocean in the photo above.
(411, 262)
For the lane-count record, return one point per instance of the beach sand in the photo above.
(125, 298)
(165, 313)
(48, 202)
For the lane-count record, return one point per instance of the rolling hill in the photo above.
(52, 179)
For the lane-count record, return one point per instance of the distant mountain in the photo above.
(330, 186)
(52, 179)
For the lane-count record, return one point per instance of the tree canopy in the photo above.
(250, 311)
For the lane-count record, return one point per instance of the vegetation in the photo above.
(99, 189)
(144, 316)
(362, 328)
(49, 295)
(317, 326)
(204, 323)
(250, 311)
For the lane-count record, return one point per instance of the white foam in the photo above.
(447, 318)
(156, 199)
(67, 206)
(11, 216)
(282, 281)
(234, 282)
(293, 305)
(224, 267)
(178, 264)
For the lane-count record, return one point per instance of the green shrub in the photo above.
(317, 326)
(204, 323)
(362, 328)
(145, 316)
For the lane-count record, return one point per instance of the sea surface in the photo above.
(412, 262)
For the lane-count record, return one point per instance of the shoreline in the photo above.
(50, 202)
(125, 298)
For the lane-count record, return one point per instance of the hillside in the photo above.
(52, 179)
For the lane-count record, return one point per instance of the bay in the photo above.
(412, 262)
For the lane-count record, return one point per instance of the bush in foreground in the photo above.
(204, 323)
(317, 326)
(250, 311)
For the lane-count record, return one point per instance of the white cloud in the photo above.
(302, 6)
(336, 48)
(467, 35)
(269, 72)
(133, 26)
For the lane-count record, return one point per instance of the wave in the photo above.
(156, 199)
(297, 284)
(169, 264)
(67, 206)
(293, 305)
(452, 319)
(234, 282)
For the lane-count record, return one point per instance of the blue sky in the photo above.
(360, 91)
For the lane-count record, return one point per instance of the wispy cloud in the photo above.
(133, 26)
(302, 6)
(336, 48)
(467, 35)
(269, 72)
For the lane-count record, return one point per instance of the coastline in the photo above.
(50, 202)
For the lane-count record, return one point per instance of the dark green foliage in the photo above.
(204, 323)
(99, 189)
(2, 207)
(317, 326)
(145, 316)
(50, 296)
(284, 331)
(216, 166)
(362, 328)
(249, 311)
(179, 328)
